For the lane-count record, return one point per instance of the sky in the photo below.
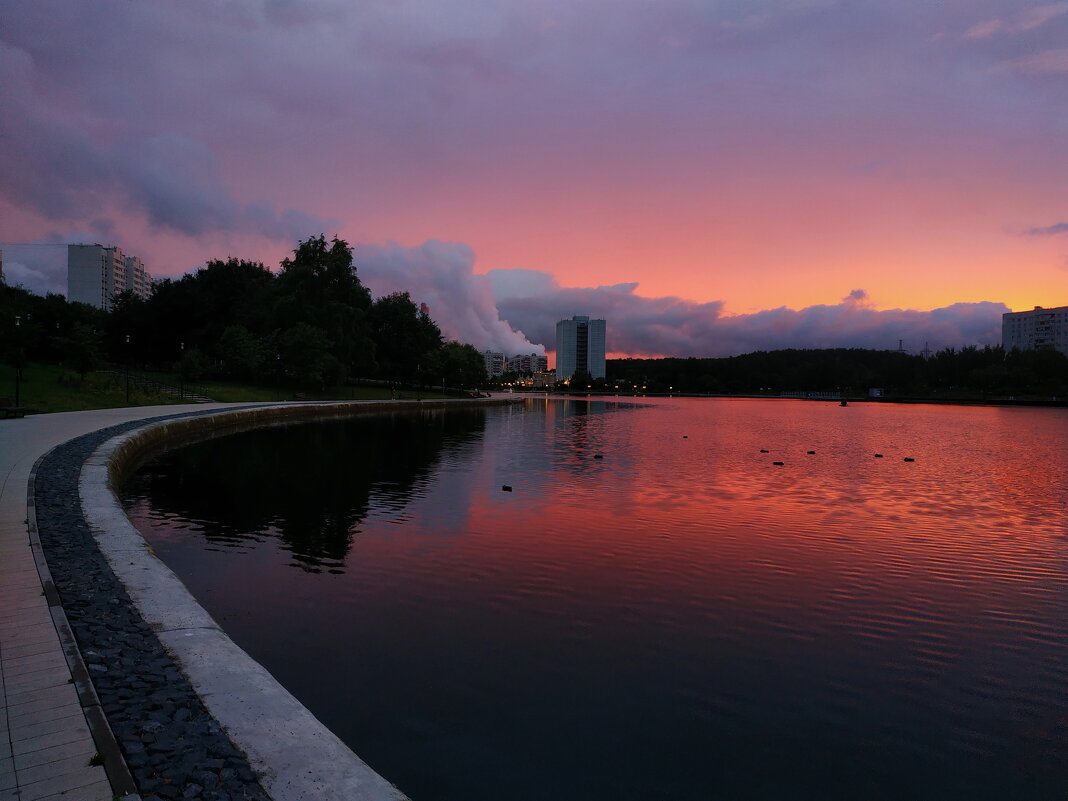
(710, 177)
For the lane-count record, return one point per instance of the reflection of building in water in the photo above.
(1038, 328)
(580, 347)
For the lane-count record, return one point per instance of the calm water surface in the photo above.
(679, 619)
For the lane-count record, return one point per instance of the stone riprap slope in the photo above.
(172, 745)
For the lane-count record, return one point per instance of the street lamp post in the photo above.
(18, 371)
(127, 369)
(181, 371)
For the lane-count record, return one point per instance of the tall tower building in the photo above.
(580, 347)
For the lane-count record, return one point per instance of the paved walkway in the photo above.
(46, 749)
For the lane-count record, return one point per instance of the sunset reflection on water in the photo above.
(678, 618)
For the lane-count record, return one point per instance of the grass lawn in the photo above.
(50, 388)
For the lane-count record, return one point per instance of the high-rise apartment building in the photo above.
(1038, 328)
(527, 363)
(580, 347)
(96, 274)
(136, 277)
(494, 363)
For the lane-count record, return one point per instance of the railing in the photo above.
(183, 391)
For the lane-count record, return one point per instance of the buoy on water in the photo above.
(878, 456)
(764, 450)
(780, 464)
(909, 459)
(811, 453)
(506, 488)
(598, 456)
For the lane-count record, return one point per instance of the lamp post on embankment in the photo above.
(18, 362)
(127, 360)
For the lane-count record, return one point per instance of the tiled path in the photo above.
(46, 749)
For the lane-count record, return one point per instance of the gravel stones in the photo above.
(173, 747)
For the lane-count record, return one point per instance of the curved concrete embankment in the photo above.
(294, 754)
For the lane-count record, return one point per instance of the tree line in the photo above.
(312, 324)
(853, 371)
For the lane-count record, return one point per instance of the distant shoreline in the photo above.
(1055, 402)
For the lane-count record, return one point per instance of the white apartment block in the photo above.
(494, 363)
(96, 274)
(1038, 328)
(527, 363)
(136, 277)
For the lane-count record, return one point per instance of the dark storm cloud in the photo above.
(67, 163)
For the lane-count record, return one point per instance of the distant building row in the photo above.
(497, 365)
(96, 274)
(1038, 328)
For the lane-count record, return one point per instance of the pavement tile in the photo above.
(51, 698)
(42, 715)
(42, 646)
(71, 783)
(28, 631)
(93, 792)
(39, 679)
(70, 734)
(32, 729)
(15, 609)
(85, 748)
(7, 774)
(30, 695)
(13, 668)
(57, 768)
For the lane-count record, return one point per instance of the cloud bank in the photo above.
(441, 275)
(516, 311)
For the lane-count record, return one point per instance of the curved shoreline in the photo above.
(293, 755)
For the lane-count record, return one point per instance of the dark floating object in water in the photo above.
(843, 403)
(909, 459)
(764, 450)
(598, 456)
(684, 436)
(811, 453)
(878, 456)
(506, 488)
(780, 464)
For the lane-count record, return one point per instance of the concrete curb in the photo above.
(296, 757)
(118, 773)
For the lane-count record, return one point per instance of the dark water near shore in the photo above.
(680, 619)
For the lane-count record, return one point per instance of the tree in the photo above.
(240, 353)
(404, 336)
(460, 365)
(305, 353)
(319, 287)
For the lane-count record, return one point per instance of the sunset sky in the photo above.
(711, 177)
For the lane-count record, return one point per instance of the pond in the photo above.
(655, 609)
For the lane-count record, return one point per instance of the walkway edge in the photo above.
(296, 756)
(118, 773)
